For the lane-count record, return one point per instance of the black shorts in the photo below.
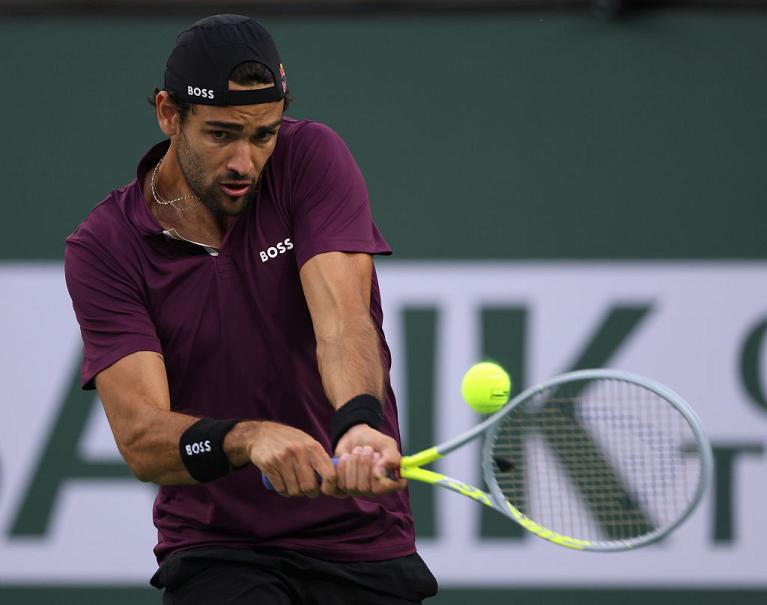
(230, 576)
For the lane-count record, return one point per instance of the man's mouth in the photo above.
(236, 188)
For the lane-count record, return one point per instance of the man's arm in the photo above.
(136, 399)
(337, 288)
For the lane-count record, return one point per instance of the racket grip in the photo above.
(268, 484)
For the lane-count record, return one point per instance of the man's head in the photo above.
(223, 99)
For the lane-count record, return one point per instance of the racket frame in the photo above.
(410, 467)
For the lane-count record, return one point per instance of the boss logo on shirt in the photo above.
(194, 91)
(198, 448)
(274, 251)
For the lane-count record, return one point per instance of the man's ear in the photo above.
(168, 117)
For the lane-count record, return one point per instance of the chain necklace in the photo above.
(172, 202)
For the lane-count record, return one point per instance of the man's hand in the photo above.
(366, 457)
(289, 458)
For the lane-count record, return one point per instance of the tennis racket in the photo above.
(598, 460)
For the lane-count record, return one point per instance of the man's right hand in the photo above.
(289, 458)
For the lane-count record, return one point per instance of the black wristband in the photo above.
(362, 409)
(202, 449)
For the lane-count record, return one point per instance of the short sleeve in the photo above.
(109, 306)
(330, 205)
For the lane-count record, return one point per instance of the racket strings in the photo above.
(599, 460)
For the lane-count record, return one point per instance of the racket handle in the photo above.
(268, 484)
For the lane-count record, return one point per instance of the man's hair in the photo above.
(245, 74)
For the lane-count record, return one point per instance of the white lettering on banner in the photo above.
(691, 339)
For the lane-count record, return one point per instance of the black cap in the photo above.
(205, 55)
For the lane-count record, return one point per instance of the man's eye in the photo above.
(219, 135)
(263, 138)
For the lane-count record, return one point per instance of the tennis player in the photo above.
(232, 325)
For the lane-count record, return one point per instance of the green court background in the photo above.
(518, 136)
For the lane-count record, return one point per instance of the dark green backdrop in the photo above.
(487, 137)
(517, 136)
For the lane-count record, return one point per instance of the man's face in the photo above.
(223, 150)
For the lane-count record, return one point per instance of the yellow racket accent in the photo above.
(421, 458)
(421, 474)
(409, 469)
(544, 533)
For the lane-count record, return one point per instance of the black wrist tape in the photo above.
(202, 449)
(362, 409)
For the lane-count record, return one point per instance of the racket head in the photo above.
(598, 460)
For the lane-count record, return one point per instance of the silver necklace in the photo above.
(172, 202)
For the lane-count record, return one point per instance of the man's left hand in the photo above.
(366, 458)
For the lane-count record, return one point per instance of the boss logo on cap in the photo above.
(205, 93)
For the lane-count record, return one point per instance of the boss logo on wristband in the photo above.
(202, 449)
(198, 448)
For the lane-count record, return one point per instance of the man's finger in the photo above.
(386, 473)
(343, 461)
(332, 489)
(307, 479)
(324, 467)
(292, 482)
(352, 464)
(384, 485)
(328, 474)
(275, 478)
(390, 456)
(365, 470)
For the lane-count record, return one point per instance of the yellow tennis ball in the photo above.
(486, 387)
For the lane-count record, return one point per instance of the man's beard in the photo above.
(210, 195)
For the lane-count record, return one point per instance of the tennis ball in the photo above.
(486, 387)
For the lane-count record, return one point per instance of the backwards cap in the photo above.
(205, 55)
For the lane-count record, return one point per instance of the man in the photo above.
(231, 322)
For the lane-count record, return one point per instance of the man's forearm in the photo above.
(350, 361)
(153, 452)
(151, 448)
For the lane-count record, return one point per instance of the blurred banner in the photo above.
(69, 511)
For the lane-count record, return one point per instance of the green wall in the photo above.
(516, 136)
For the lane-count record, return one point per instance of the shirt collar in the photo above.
(139, 212)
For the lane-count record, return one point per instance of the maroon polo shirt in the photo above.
(235, 332)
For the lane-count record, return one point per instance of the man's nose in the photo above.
(241, 160)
